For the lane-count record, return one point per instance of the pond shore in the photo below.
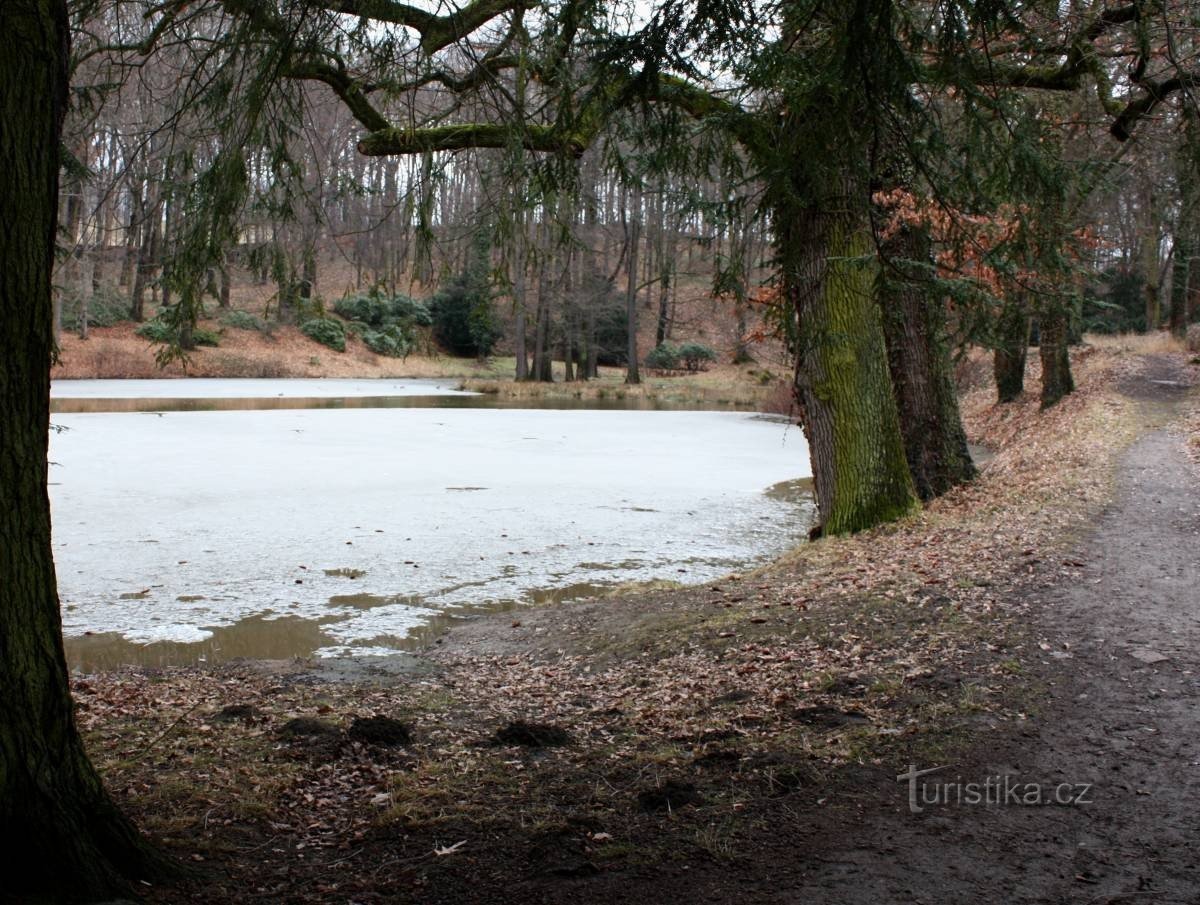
(736, 741)
(116, 353)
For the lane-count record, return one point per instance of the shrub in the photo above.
(696, 355)
(405, 310)
(327, 331)
(664, 357)
(377, 310)
(387, 325)
(464, 319)
(157, 332)
(392, 341)
(362, 308)
(106, 308)
(242, 320)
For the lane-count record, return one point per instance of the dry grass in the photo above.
(1160, 342)
(746, 386)
(116, 352)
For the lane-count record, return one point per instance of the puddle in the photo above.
(358, 531)
(258, 637)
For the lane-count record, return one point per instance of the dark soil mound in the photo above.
(531, 735)
(669, 796)
(234, 712)
(380, 730)
(307, 727)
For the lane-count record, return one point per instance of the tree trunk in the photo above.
(543, 369)
(844, 391)
(519, 293)
(935, 443)
(568, 323)
(1179, 284)
(226, 284)
(1012, 347)
(633, 238)
(1057, 381)
(63, 839)
(1193, 289)
(133, 227)
(664, 306)
(1148, 253)
(147, 257)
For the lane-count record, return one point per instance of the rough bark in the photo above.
(61, 836)
(935, 443)
(633, 238)
(843, 388)
(1012, 348)
(147, 258)
(1057, 381)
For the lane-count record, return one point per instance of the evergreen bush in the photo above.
(327, 331)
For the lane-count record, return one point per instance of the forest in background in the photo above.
(894, 183)
(552, 254)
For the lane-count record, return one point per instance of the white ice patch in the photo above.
(424, 508)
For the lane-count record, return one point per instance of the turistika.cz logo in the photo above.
(995, 791)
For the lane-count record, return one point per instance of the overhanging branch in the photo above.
(548, 139)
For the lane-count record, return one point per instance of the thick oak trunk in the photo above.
(935, 442)
(844, 391)
(1012, 347)
(62, 838)
(1057, 381)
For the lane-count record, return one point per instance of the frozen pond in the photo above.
(188, 535)
(248, 388)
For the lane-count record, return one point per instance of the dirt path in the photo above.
(1120, 665)
(1114, 662)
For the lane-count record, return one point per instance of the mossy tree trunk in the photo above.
(61, 836)
(847, 408)
(1057, 381)
(1012, 348)
(935, 442)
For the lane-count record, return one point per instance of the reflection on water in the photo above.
(64, 406)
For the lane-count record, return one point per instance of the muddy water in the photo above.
(206, 535)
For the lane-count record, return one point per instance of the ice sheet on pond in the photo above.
(250, 388)
(370, 521)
